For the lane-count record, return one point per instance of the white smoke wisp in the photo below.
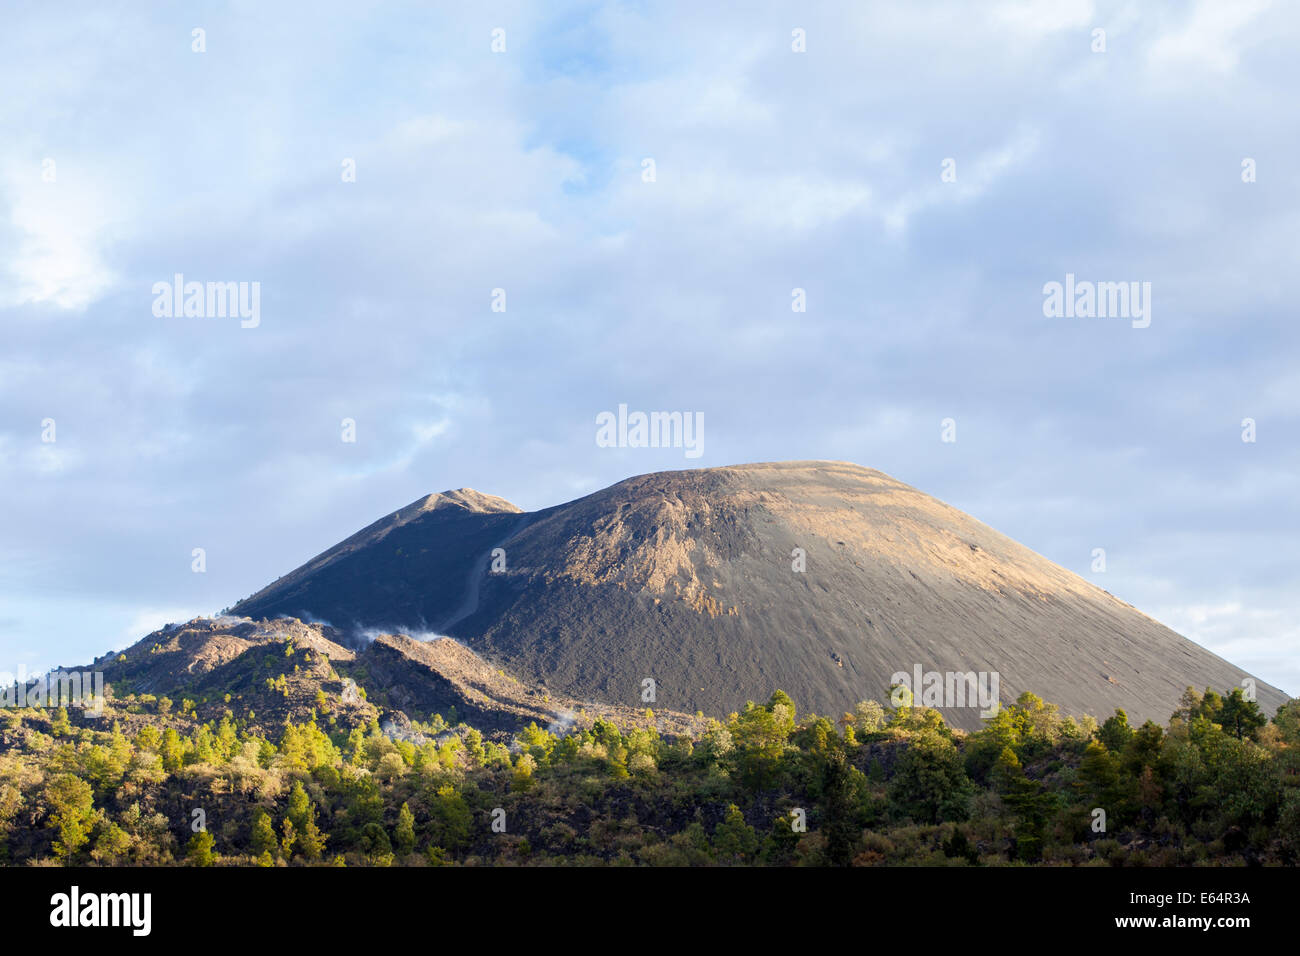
(562, 724)
(416, 634)
(425, 637)
(369, 634)
(393, 731)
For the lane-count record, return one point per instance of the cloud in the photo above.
(147, 620)
(522, 171)
(1208, 39)
(972, 181)
(1040, 17)
(60, 231)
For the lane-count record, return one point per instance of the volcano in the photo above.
(715, 586)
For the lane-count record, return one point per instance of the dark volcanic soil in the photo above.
(686, 577)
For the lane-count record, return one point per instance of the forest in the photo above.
(149, 783)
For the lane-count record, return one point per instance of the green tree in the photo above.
(868, 717)
(199, 849)
(779, 847)
(264, 840)
(1097, 781)
(759, 736)
(404, 835)
(522, 779)
(376, 846)
(72, 810)
(985, 747)
(734, 841)
(474, 746)
(1239, 716)
(930, 784)
(537, 742)
(1115, 733)
(1028, 799)
(1143, 749)
(1211, 704)
(288, 839)
(300, 821)
(842, 788)
(1007, 771)
(1184, 771)
(172, 750)
(111, 846)
(1289, 824)
(60, 726)
(451, 818)
(1287, 720)
(1248, 787)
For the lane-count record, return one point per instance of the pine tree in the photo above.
(300, 820)
(404, 835)
(930, 783)
(1239, 716)
(264, 840)
(1028, 799)
(376, 845)
(1098, 778)
(842, 786)
(289, 840)
(72, 808)
(1115, 733)
(451, 818)
(312, 840)
(199, 849)
(779, 847)
(734, 840)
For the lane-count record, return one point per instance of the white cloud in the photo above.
(1245, 634)
(975, 177)
(1041, 17)
(149, 619)
(1208, 39)
(61, 230)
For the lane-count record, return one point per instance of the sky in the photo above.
(475, 227)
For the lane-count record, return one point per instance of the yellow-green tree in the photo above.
(72, 811)
(404, 834)
(199, 849)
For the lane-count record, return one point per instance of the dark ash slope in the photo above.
(685, 577)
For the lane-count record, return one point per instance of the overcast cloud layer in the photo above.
(523, 170)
